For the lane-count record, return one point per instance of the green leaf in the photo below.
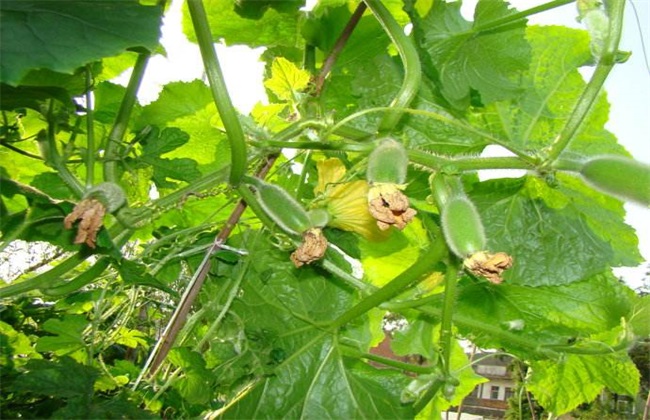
(108, 99)
(272, 29)
(560, 386)
(279, 305)
(176, 100)
(158, 143)
(16, 348)
(255, 9)
(57, 378)
(308, 385)
(50, 183)
(460, 369)
(207, 144)
(551, 88)
(42, 219)
(134, 273)
(543, 315)
(640, 319)
(195, 383)
(550, 245)
(67, 335)
(385, 260)
(131, 338)
(466, 58)
(604, 214)
(416, 338)
(83, 32)
(287, 80)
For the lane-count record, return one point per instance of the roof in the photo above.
(491, 359)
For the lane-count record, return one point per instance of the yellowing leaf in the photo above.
(385, 260)
(286, 79)
(131, 338)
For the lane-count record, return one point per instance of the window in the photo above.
(509, 393)
(494, 392)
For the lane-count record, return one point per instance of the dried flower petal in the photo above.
(91, 213)
(490, 266)
(389, 206)
(313, 248)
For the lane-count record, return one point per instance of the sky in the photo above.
(628, 87)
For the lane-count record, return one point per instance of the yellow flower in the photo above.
(330, 172)
(346, 202)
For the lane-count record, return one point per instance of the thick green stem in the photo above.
(90, 132)
(444, 118)
(590, 94)
(51, 277)
(423, 266)
(463, 164)
(446, 323)
(116, 136)
(431, 392)
(46, 279)
(514, 340)
(315, 145)
(410, 58)
(309, 58)
(53, 157)
(219, 92)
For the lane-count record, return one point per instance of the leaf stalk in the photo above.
(410, 58)
(590, 93)
(219, 91)
(116, 136)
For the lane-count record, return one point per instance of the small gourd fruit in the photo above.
(388, 163)
(282, 208)
(462, 226)
(109, 194)
(386, 175)
(619, 176)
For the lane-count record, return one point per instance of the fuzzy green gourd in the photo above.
(282, 208)
(388, 163)
(109, 194)
(462, 226)
(620, 176)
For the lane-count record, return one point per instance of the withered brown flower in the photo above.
(91, 213)
(490, 266)
(312, 248)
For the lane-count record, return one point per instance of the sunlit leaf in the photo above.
(91, 31)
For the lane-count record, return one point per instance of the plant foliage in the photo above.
(200, 297)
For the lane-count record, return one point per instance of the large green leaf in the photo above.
(84, 32)
(319, 383)
(467, 58)
(272, 29)
(550, 89)
(313, 379)
(158, 143)
(59, 378)
(67, 335)
(176, 100)
(561, 386)
(366, 76)
(544, 315)
(554, 238)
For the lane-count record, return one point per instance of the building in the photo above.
(490, 399)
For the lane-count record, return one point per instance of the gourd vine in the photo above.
(330, 252)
